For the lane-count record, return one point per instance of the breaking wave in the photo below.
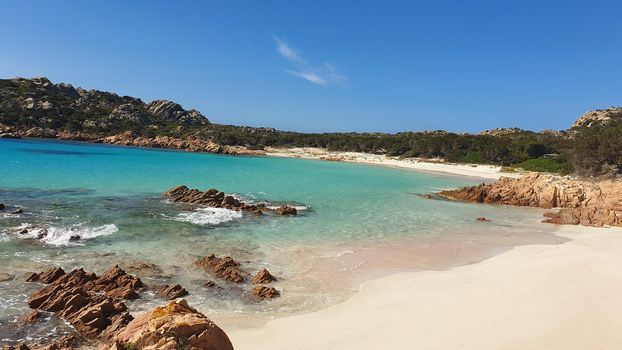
(60, 236)
(208, 216)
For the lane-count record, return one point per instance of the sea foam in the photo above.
(61, 236)
(208, 216)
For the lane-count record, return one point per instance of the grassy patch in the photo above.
(549, 165)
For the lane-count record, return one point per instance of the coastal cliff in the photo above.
(578, 201)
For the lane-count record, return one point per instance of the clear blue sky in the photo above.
(332, 65)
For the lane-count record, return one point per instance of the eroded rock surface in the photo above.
(263, 277)
(92, 305)
(174, 326)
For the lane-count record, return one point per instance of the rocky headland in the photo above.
(576, 201)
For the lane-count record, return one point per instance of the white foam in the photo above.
(208, 216)
(297, 207)
(59, 236)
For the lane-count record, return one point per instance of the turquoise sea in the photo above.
(110, 196)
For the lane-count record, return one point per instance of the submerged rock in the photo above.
(262, 292)
(29, 318)
(483, 219)
(224, 268)
(263, 277)
(173, 326)
(4, 276)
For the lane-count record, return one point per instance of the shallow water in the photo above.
(355, 221)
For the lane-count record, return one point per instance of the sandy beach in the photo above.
(491, 172)
(560, 296)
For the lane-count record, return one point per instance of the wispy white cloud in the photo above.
(325, 74)
(288, 52)
(310, 76)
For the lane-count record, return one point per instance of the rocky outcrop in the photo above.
(501, 131)
(48, 105)
(174, 326)
(259, 293)
(584, 202)
(173, 112)
(46, 277)
(263, 277)
(92, 305)
(217, 199)
(285, 210)
(171, 292)
(224, 268)
(599, 117)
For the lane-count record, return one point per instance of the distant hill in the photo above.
(39, 108)
(37, 102)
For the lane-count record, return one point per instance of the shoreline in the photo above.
(489, 172)
(541, 288)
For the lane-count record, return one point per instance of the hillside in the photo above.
(39, 108)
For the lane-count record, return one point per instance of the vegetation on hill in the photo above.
(592, 148)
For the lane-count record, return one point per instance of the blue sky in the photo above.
(332, 65)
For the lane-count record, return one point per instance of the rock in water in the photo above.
(263, 277)
(2, 206)
(260, 293)
(173, 326)
(217, 199)
(483, 219)
(285, 210)
(224, 268)
(92, 305)
(171, 292)
(29, 318)
(46, 277)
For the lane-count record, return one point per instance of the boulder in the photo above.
(171, 292)
(224, 268)
(173, 326)
(263, 277)
(259, 293)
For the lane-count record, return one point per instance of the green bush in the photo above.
(557, 165)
